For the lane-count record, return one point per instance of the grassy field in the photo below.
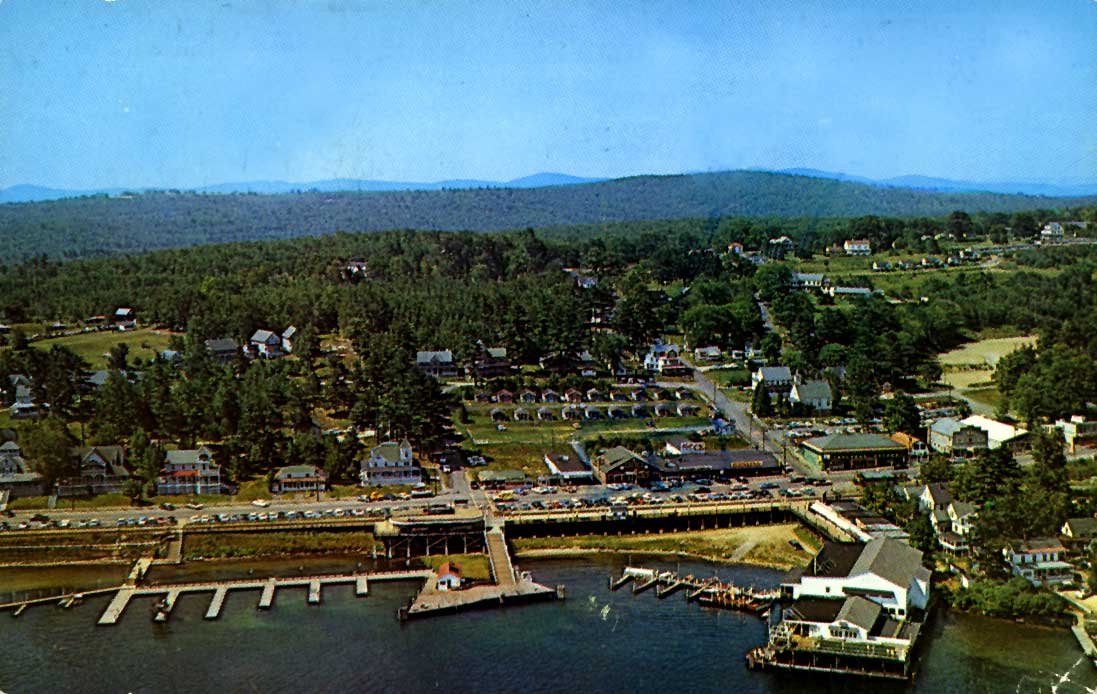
(473, 566)
(223, 545)
(19, 579)
(766, 545)
(144, 343)
(483, 431)
(988, 396)
(972, 364)
(729, 377)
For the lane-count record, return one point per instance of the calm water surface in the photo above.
(640, 644)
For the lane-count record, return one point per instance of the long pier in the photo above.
(511, 586)
(267, 586)
(711, 592)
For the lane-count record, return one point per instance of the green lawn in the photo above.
(92, 347)
(729, 377)
(988, 396)
(473, 566)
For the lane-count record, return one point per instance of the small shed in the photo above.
(449, 577)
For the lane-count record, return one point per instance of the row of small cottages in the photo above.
(591, 412)
(576, 396)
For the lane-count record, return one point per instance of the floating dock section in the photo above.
(711, 592)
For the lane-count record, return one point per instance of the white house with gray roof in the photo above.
(776, 378)
(885, 571)
(189, 472)
(390, 463)
(815, 394)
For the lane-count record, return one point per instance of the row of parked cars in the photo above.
(267, 516)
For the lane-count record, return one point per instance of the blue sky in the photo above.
(165, 93)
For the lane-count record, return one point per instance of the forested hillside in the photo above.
(97, 226)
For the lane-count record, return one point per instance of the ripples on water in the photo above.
(596, 641)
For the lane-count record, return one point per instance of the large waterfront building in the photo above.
(855, 608)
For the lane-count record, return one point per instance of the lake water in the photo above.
(348, 644)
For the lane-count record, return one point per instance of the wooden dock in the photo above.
(267, 598)
(267, 586)
(215, 605)
(114, 610)
(711, 592)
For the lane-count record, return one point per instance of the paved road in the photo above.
(749, 426)
(109, 516)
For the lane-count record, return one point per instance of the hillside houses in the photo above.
(857, 247)
(268, 344)
(437, 363)
(16, 477)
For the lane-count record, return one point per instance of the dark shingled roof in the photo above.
(816, 609)
(834, 560)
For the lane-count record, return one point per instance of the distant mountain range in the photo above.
(32, 193)
(105, 225)
(915, 182)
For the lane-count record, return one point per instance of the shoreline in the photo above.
(580, 552)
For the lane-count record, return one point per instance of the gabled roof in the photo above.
(299, 470)
(963, 508)
(891, 560)
(938, 493)
(859, 611)
(389, 450)
(189, 457)
(1082, 527)
(443, 356)
(775, 373)
(289, 332)
(496, 352)
(265, 337)
(813, 390)
(1038, 544)
(946, 426)
(449, 569)
(852, 442)
(616, 457)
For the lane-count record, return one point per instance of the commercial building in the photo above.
(854, 451)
